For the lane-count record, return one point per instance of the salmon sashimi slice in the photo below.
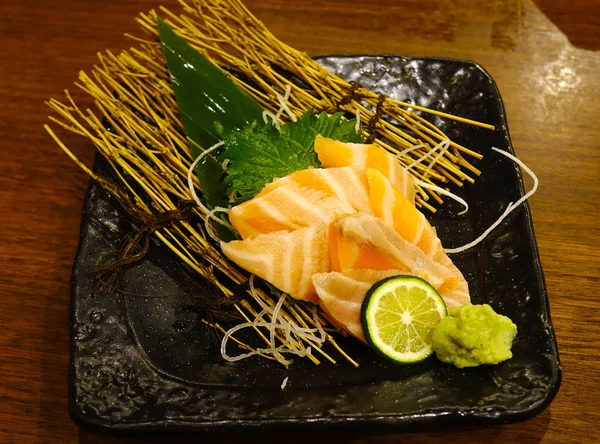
(348, 184)
(287, 207)
(361, 240)
(285, 259)
(333, 153)
(341, 295)
(396, 211)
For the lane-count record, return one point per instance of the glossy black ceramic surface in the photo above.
(141, 361)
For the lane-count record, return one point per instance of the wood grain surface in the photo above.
(544, 58)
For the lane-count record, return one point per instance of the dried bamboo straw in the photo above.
(147, 148)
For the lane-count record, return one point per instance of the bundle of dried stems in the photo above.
(137, 129)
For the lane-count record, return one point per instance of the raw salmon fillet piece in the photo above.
(364, 250)
(286, 259)
(348, 184)
(341, 295)
(301, 199)
(333, 153)
(288, 206)
(396, 211)
(363, 241)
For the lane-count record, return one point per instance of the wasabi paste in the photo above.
(473, 335)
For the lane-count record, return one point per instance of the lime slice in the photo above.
(398, 315)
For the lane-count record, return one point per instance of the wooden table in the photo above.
(541, 55)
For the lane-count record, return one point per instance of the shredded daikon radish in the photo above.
(511, 206)
(211, 215)
(288, 338)
(256, 323)
(272, 328)
(228, 334)
(300, 350)
(283, 101)
(233, 196)
(274, 119)
(191, 170)
(427, 154)
(409, 149)
(315, 316)
(284, 383)
(293, 333)
(256, 297)
(357, 126)
(445, 193)
(438, 155)
(282, 107)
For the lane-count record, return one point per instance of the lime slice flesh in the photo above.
(398, 315)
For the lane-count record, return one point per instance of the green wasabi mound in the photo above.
(473, 335)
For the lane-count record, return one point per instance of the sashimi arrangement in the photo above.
(328, 235)
(336, 220)
(310, 201)
(326, 224)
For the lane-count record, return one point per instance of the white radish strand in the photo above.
(438, 156)
(255, 324)
(274, 119)
(422, 158)
(233, 196)
(300, 350)
(298, 332)
(357, 124)
(271, 351)
(427, 154)
(511, 206)
(273, 325)
(409, 149)
(256, 297)
(283, 101)
(444, 145)
(211, 216)
(323, 335)
(293, 333)
(445, 193)
(191, 170)
(228, 334)
(269, 310)
(284, 383)
(282, 107)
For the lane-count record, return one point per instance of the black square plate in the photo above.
(141, 361)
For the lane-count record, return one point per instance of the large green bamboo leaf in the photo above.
(205, 96)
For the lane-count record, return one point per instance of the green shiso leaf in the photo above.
(306, 128)
(259, 153)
